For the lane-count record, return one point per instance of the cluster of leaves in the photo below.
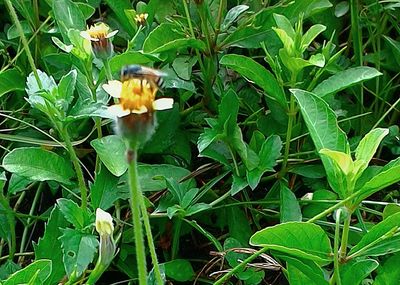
(284, 138)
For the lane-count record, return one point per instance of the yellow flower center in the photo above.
(136, 94)
(99, 31)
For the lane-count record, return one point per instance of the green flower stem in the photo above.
(12, 242)
(107, 68)
(145, 216)
(20, 30)
(345, 237)
(78, 169)
(137, 224)
(241, 266)
(96, 273)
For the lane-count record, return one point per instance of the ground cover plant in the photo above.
(199, 142)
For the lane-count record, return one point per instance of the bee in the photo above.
(153, 76)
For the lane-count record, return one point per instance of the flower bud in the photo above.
(99, 36)
(104, 223)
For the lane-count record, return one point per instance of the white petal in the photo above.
(113, 88)
(142, 110)
(85, 35)
(163, 104)
(113, 33)
(117, 111)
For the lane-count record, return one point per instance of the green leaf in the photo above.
(179, 270)
(8, 268)
(310, 35)
(289, 206)
(256, 73)
(40, 268)
(299, 239)
(245, 37)
(68, 15)
(66, 87)
(78, 250)
(168, 36)
(111, 150)
(380, 239)
(355, 271)
(74, 214)
(325, 132)
(49, 246)
(239, 226)
(389, 271)
(303, 271)
(284, 24)
(105, 190)
(11, 80)
(119, 8)
(368, 146)
(345, 79)
(17, 184)
(390, 209)
(39, 165)
(389, 175)
(395, 47)
(232, 15)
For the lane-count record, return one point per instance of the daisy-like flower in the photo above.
(140, 19)
(135, 111)
(99, 36)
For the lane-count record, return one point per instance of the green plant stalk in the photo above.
(20, 30)
(240, 266)
(96, 273)
(147, 227)
(292, 115)
(345, 237)
(78, 169)
(12, 243)
(137, 224)
(176, 237)
(107, 68)
(31, 211)
(208, 235)
(336, 272)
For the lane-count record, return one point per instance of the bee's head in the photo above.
(130, 71)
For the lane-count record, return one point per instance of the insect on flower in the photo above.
(151, 75)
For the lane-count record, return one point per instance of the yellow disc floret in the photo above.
(137, 96)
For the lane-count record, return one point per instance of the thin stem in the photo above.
(240, 266)
(78, 169)
(292, 114)
(137, 224)
(20, 30)
(345, 237)
(336, 274)
(176, 237)
(107, 68)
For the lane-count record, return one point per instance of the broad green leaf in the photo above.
(368, 146)
(287, 41)
(119, 7)
(389, 271)
(303, 271)
(355, 271)
(78, 250)
(245, 37)
(395, 46)
(13, 32)
(232, 15)
(297, 239)
(68, 15)
(168, 36)
(66, 87)
(49, 246)
(289, 206)
(345, 79)
(284, 24)
(325, 132)
(7, 268)
(341, 8)
(390, 209)
(17, 184)
(342, 160)
(256, 73)
(11, 80)
(105, 190)
(389, 175)
(310, 35)
(239, 227)
(238, 184)
(40, 267)
(74, 214)
(112, 152)
(380, 239)
(38, 164)
(179, 270)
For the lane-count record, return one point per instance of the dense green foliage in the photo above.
(278, 163)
